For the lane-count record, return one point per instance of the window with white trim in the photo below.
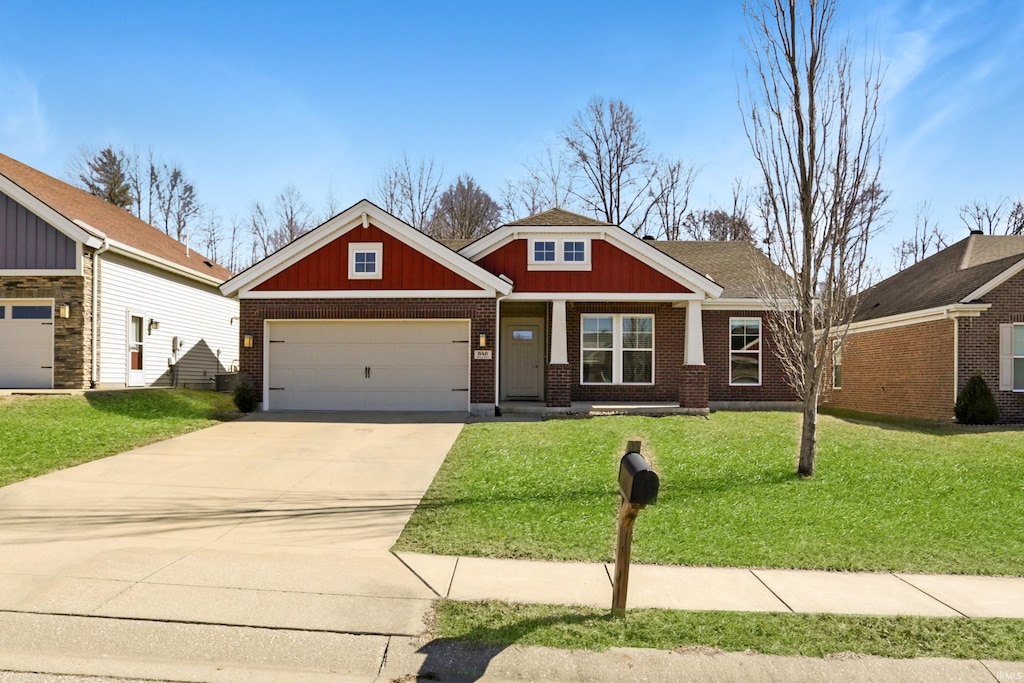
(365, 260)
(617, 349)
(745, 351)
(550, 253)
(544, 251)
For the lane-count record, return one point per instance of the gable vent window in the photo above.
(365, 260)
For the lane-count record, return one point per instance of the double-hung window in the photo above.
(837, 364)
(617, 349)
(745, 351)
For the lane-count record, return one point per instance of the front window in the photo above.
(617, 349)
(544, 252)
(745, 351)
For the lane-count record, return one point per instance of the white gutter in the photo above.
(923, 316)
(95, 312)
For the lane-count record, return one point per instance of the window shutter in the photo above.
(1006, 357)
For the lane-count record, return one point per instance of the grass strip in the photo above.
(884, 497)
(40, 434)
(810, 635)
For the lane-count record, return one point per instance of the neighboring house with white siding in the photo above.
(91, 296)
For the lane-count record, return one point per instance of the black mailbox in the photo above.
(637, 481)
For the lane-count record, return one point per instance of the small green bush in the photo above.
(246, 397)
(976, 405)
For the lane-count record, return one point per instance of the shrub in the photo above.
(976, 405)
(246, 398)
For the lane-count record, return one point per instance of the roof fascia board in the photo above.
(75, 230)
(603, 296)
(672, 268)
(994, 282)
(916, 317)
(360, 214)
(163, 264)
(372, 294)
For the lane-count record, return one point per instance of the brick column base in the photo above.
(558, 385)
(693, 387)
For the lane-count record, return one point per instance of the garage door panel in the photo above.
(368, 365)
(26, 348)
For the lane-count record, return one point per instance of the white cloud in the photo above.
(24, 131)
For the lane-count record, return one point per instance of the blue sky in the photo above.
(249, 97)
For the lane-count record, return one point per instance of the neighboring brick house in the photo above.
(91, 296)
(365, 312)
(921, 334)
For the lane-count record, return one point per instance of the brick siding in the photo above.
(716, 356)
(905, 371)
(480, 311)
(979, 345)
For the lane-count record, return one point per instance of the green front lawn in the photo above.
(39, 434)
(808, 635)
(885, 497)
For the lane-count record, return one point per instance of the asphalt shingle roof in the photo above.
(944, 278)
(733, 265)
(118, 224)
(558, 217)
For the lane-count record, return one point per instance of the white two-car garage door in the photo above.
(26, 344)
(368, 365)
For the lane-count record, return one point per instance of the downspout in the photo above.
(95, 309)
(497, 353)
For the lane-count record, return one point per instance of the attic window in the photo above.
(551, 253)
(365, 260)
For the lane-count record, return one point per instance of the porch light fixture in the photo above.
(483, 338)
(153, 325)
(64, 311)
(247, 341)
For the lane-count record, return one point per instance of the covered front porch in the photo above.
(602, 355)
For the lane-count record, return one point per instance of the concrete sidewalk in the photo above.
(721, 588)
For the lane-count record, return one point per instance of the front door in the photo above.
(136, 374)
(522, 359)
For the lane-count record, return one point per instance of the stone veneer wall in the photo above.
(72, 337)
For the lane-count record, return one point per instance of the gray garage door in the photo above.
(26, 344)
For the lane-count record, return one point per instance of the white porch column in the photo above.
(559, 344)
(693, 354)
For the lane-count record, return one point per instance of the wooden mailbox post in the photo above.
(638, 484)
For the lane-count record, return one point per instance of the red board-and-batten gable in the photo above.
(403, 268)
(612, 271)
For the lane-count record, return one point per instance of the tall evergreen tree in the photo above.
(105, 175)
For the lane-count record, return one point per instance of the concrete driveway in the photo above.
(278, 520)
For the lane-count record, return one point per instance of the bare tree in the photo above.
(263, 240)
(814, 130)
(547, 184)
(723, 224)
(464, 211)
(410, 192)
(982, 216)
(294, 216)
(670, 197)
(994, 219)
(928, 238)
(608, 151)
(209, 234)
(235, 262)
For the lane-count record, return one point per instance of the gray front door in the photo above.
(522, 354)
